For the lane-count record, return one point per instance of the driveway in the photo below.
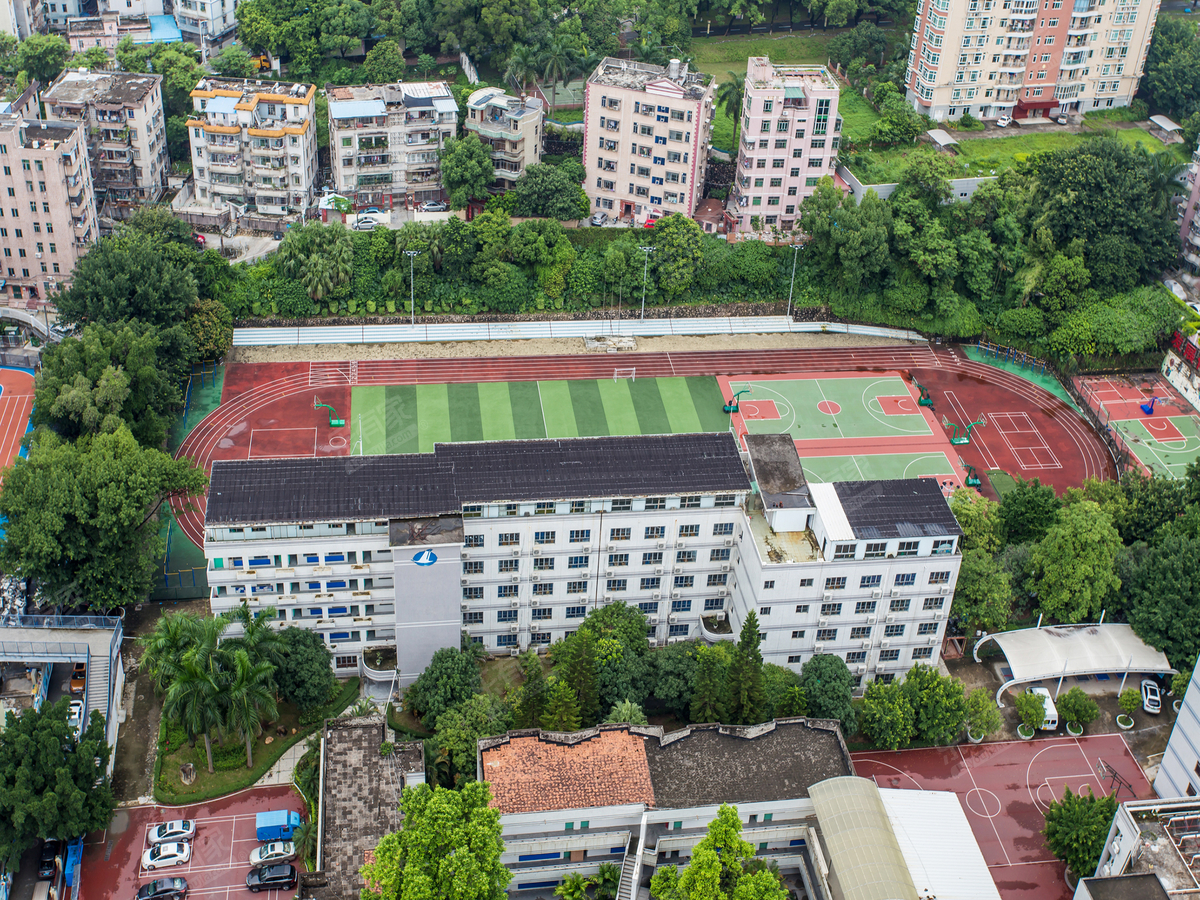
(225, 836)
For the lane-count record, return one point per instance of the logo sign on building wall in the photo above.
(424, 558)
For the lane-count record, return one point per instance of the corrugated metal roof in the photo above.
(226, 105)
(864, 855)
(445, 104)
(356, 109)
(939, 848)
(909, 507)
(793, 92)
(833, 517)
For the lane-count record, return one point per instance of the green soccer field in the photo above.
(823, 408)
(411, 418)
(1163, 457)
(876, 467)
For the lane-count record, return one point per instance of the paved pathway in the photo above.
(282, 771)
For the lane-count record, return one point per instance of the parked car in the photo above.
(79, 678)
(1151, 697)
(48, 861)
(650, 223)
(365, 223)
(166, 855)
(371, 209)
(1061, 120)
(274, 852)
(433, 206)
(271, 877)
(178, 830)
(199, 239)
(600, 218)
(163, 889)
(75, 717)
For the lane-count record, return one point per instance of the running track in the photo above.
(16, 403)
(202, 441)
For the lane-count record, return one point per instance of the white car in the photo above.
(433, 206)
(75, 718)
(160, 855)
(274, 852)
(1004, 121)
(1151, 697)
(172, 832)
(366, 223)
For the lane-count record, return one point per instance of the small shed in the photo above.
(1165, 124)
(942, 138)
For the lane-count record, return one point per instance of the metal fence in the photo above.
(31, 650)
(520, 331)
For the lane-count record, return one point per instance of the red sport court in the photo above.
(1005, 788)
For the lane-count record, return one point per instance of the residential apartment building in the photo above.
(1026, 58)
(1186, 209)
(254, 144)
(791, 132)
(511, 127)
(127, 139)
(209, 24)
(57, 14)
(646, 138)
(132, 8)
(532, 535)
(20, 18)
(107, 29)
(384, 141)
(47, 208)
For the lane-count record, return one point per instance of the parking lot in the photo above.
(225, 836)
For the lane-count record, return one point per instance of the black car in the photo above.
(164, 889)
(268, 877)
(48, 862)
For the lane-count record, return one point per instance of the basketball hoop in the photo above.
(945, 422)
(982, 419)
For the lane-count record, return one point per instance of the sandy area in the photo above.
(548, 347)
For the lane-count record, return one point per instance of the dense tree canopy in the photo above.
(466, 169)
(451, 677)
(719, 868)
(828, 687)
(1077, 827)
(305, 673)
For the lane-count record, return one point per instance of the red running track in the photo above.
(256, 396)
(16, 405)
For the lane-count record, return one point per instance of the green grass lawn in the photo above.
(982, 157)
(718, 55)
(565, 116)
(725, 133)
(857, 115)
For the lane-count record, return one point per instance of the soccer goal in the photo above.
(631, 374)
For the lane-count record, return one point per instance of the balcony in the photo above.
(117, 160)
(227, 166)
(1010, 79)
(713, 630)
(1193, 238)
(76, 199)
(416, 140)
(494, 128)
(1019, 27)
(272, 149)
(379, 159)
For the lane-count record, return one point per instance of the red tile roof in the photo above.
(535, 774)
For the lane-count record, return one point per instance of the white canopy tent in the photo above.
(1060, 651)
(1165, 124)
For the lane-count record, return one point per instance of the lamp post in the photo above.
(645, 270)
(795, 256)
(412, 298)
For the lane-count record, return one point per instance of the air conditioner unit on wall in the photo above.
(466, 555)
(876, 594)
(818, 648)
(516, 551)
(465, 581)
(881, 667)
(514, 652)
(725, 567)
(672, 619)
(720, 616)
(653, 620)
(515, 602)
(728, 542)
(662, 544)
(535, 577)
(821, 623)
(866, 645)
(945, 589)
(862, 670)
(534, 602)
(658, 570)
(536, 551)
(827, 596)
(890, 619)
(895, 592)
(885, 644)
(656, 595)
(680, 544)
(871, 620)
(516, 578)
(512, 629)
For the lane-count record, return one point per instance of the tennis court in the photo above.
(411, 418)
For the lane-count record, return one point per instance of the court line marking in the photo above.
(882, 422)
(984, 449)
(1012, 417)
(250, 449)
(990, 819)
(941, 456)
(825, 399)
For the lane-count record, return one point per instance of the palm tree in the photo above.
(249, 700)
(589, 62)
(649, 52)
(173, 636)
(1163, 171)
(607, 880)
(730, 93)
(194, 699)
(305, 839)
(318, 278)
(258, 638)
(559, 63)
(573, 887)
(522, 66)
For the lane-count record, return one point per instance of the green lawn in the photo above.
(718, 55)
(724, 133)
(857, 115)
(981, 157)
(565, 116)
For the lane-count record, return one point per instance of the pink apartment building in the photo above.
(790, 136)
(645, 138)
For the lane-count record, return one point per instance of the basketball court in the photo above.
(1149, 417)
(1005, 789)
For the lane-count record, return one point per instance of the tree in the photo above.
(1076, 706)
(448, 845)
(210, 325)
(530, 700)
(460, 728)
(128, 276)
(83, 517)
(1031, 709)
(194, 698)
(1027, 511)
(305, 840)
(562, 708)
(580, 673)
(979, 518)
(1173, 68)
(719, 867)
(109, 377)
(450, 678)
(867, 41)
(1073, 564)
(608, 878)
(164, 648)
(262, 642)
(1162, 592)
(730, 94)
(745, 676)
(384, 64)
(558, 63)
(1130, 700)
(983, 716)
(51, 785)
(548, 192)
(829, 687)
(91, 58)
(983, 595)
(1077, 827)
(887, 715)
(466, 169)
(248, 698)
(345, 24)
(938, 704)
(783, 697)
(573, 887)
(426, 64)
(678, 252)
(234, 62)
(523, 66)
(673, 673)
(710, 685)
(305, 674)
(43, 56)
(626, 712)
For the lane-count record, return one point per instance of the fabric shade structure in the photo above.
(941, 137)
(1061, 651)
(865, 859)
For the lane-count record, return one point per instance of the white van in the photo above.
(1050, 723)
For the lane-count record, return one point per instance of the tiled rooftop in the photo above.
(535, 772)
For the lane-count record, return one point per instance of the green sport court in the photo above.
(1169, 448)
(877, 467)
(831, 408)
(411, 418)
